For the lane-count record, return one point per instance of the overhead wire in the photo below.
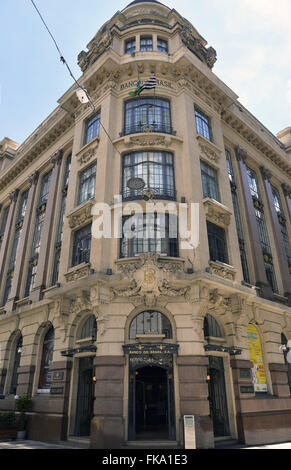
(63, 60)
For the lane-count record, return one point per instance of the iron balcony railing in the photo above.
(149, 127)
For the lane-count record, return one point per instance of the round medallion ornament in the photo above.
(136, 184)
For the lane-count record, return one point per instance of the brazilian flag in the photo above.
(136, 92)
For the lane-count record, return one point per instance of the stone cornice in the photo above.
(216, 212)
(81, 215)
(40, 141)
(274, 152)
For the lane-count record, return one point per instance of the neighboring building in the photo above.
(118, 339)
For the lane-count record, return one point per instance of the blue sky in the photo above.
(252, 39)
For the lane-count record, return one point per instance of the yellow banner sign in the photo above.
(256, 356)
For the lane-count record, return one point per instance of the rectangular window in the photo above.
(262, 229)
(87, 184)
(147, 113)
(59, 237)
(156, 169)
(203, 124)
(283, 224)
(38, 227)
(149, 233)
(82, 246)
(146, 43)
(217, 243)
(209, 182)
(162, 45)
(92, 128)
(130, 46)
(3, 224)
(238, 219)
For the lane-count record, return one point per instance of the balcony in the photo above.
(146, 128)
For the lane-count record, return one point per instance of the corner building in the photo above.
(117, 339)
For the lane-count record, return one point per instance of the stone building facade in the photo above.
(117, 339)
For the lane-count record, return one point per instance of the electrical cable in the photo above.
(63, 60)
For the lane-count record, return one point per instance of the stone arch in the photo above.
(76, 325)
(141, 309)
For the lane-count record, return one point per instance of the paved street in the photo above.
(64, 445)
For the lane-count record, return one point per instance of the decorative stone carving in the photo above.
(88, 152)
(148, 280)
(148, 140)
(131, 290)
(101, 42)
(168, 289)
(81, 216)
(56, 159)
(14, 195)
(217, 213)
(81, 303)
(222, 270)
(209, 150)
(195, 45)
(286, 190)
(241, 154)
(78, 273)
(266, 174)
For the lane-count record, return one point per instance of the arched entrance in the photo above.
(151, 399)
(151, 403)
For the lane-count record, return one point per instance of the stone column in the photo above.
(25, 380)
(283, 264)
(257, 254)
(287, 194)
(107, 428)
(243, 389)
(22, 247)
(35, 295)
(7, 235)
(193, 385)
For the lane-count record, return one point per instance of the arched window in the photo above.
(211, 327)
(284, 342)
(46, 360)
(150, 322)
(256, 357)
(16, 364)
(89, 329)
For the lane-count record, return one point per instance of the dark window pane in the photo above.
(16, 364)
(150, 322)
(203, 124)
(89, 329)
(87, 184)
(156, 169)
(92, 128)
(130, 46)
(46, 360)
(149, 233)
(217, 243)
(211, 327)
(82, 246)
(146, 43)
(143, 113)
(162, 45)
(209, 182)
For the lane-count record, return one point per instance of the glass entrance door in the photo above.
(151, 404)
(85, 399)
(217, 397)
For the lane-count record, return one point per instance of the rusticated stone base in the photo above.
(266, 428)
(45, 427)
(107, 427)
(194, 397)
